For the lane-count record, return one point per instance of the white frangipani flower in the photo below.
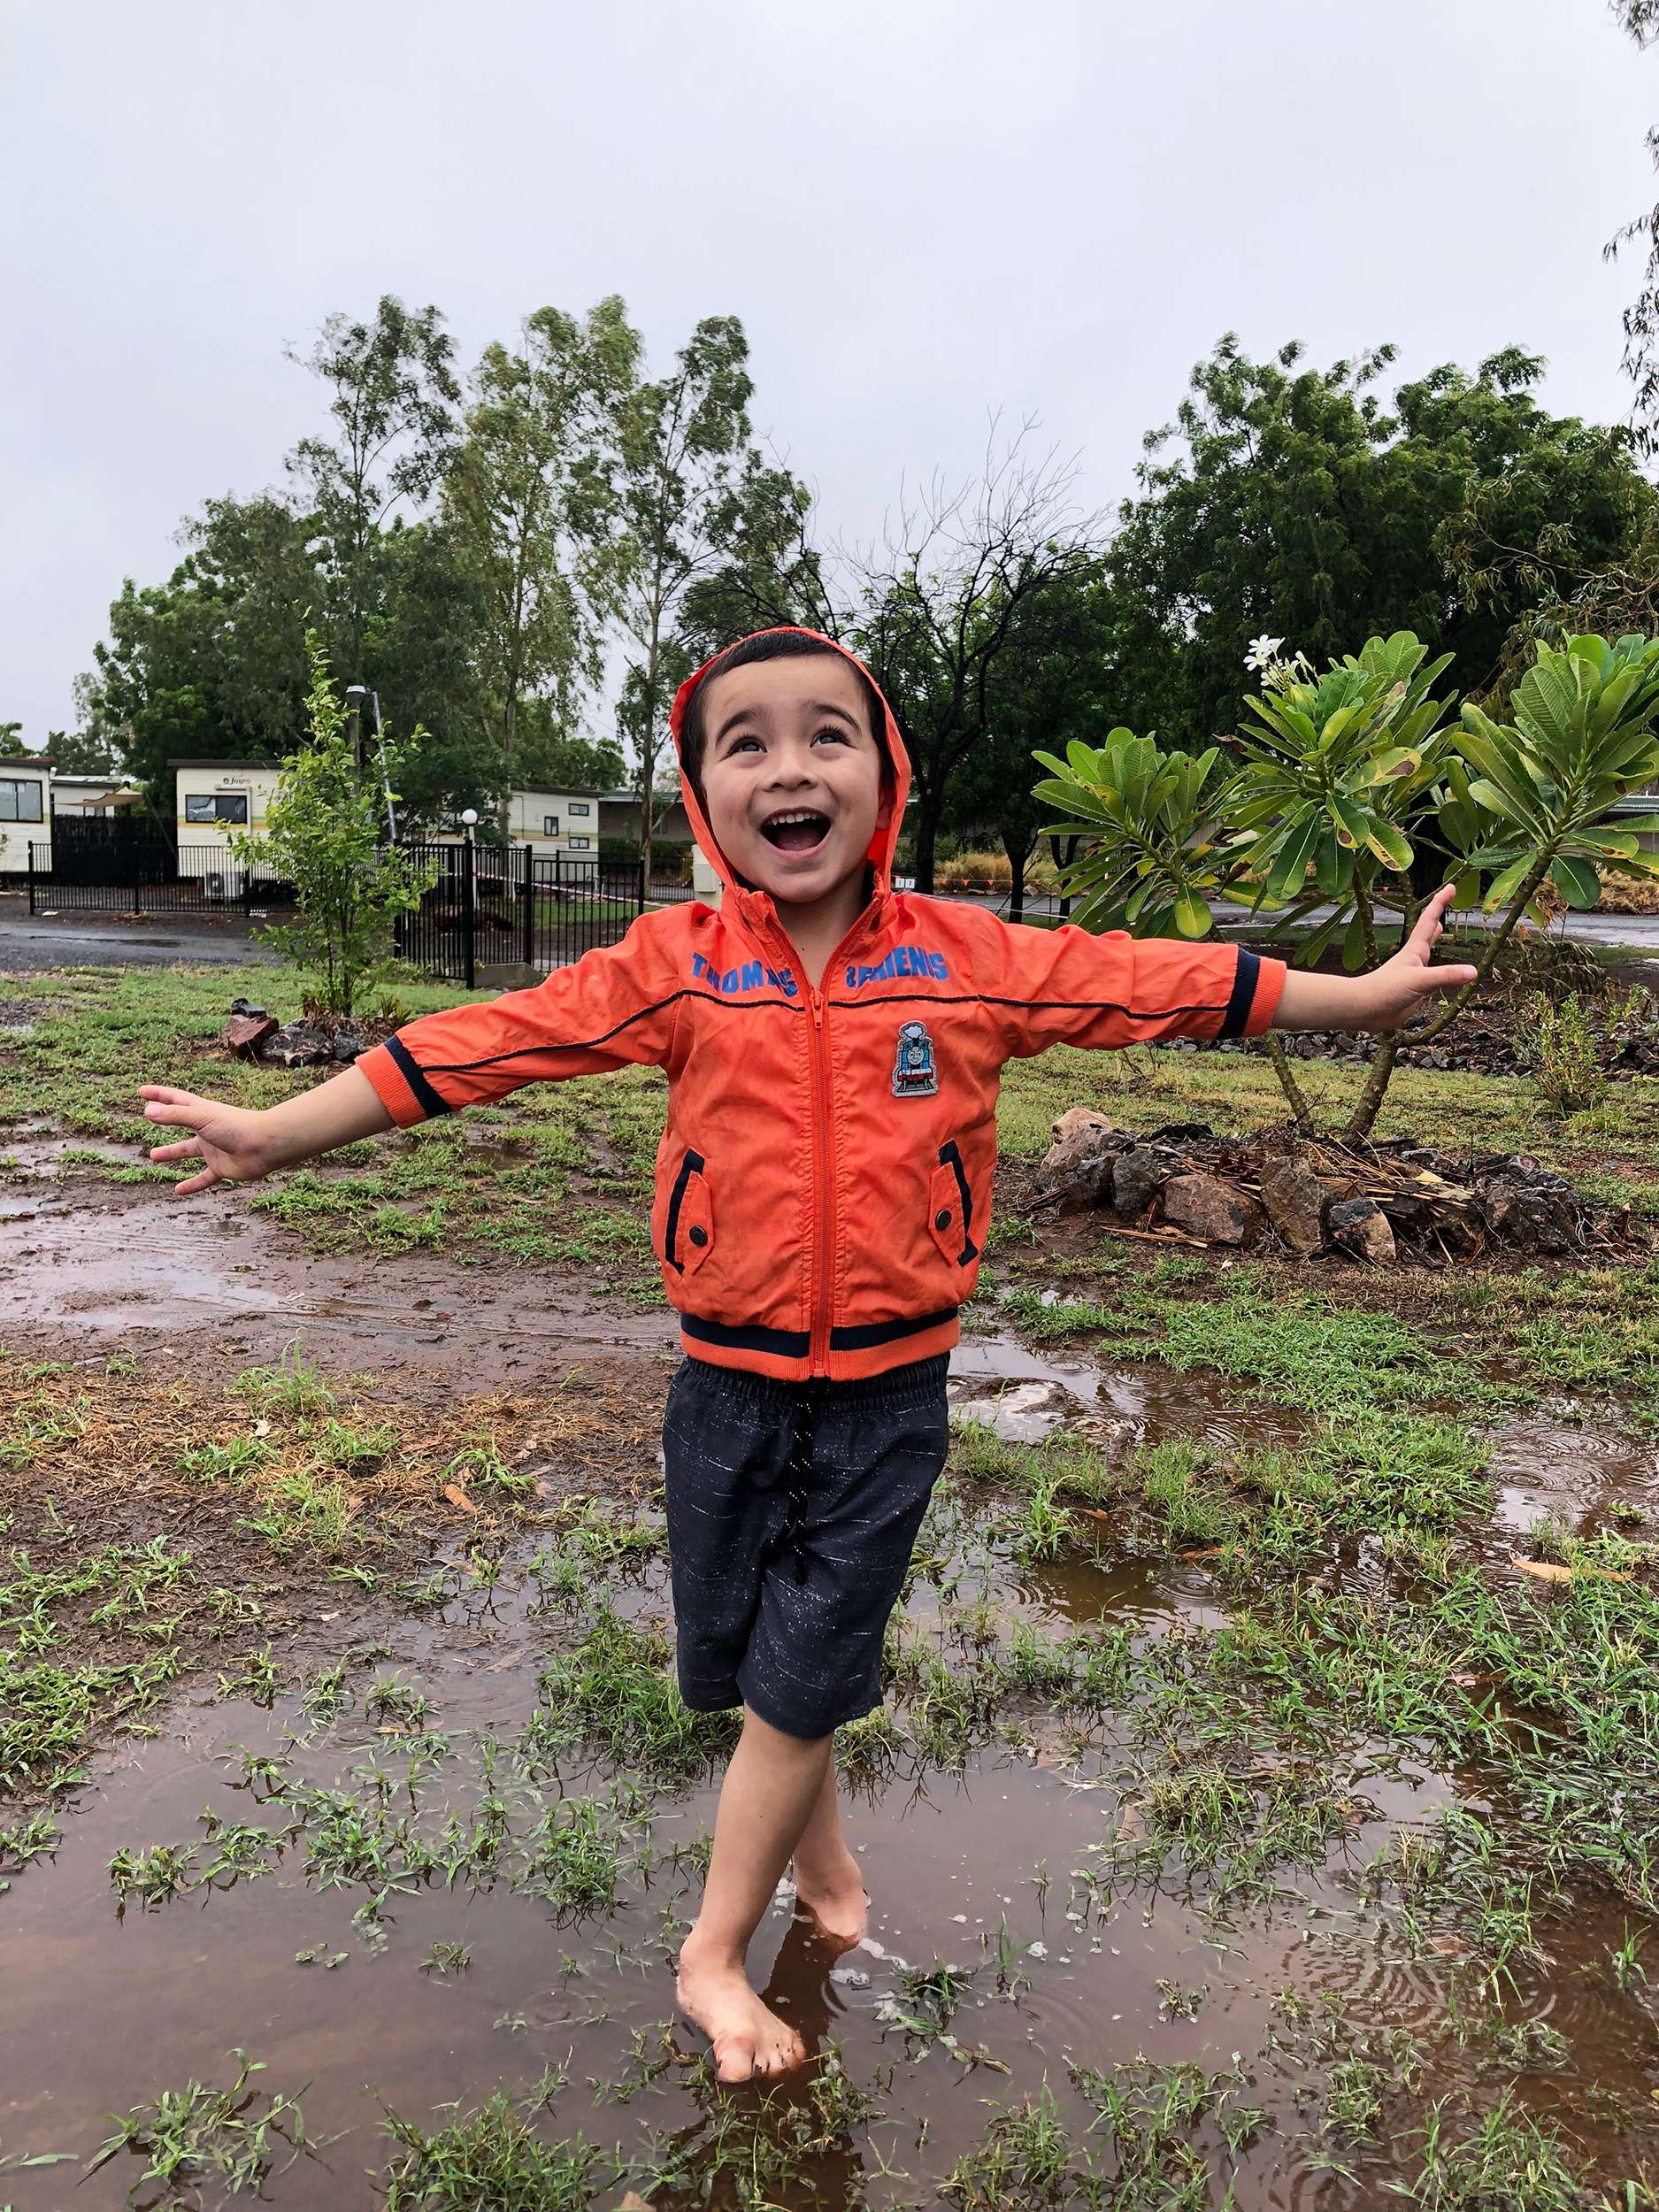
(1263, 652)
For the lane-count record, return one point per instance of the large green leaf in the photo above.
(1577, 881)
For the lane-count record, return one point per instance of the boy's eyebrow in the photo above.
(813, 706)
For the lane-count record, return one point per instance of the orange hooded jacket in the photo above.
(823, 1181)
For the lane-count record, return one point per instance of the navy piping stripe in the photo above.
(592, 1044)
(870, 1332)
(948, 1157)
(1243, 995)
(409, 1068)
(785, 1343)
(1034, 1005)
(692, 1164)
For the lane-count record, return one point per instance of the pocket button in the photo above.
(699, 1236)
(942, 1220)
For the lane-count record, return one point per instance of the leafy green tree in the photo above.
(767, 571)
(529, 501)
(1043, 691)
(680, 439)
(83, 752)
(1640, 19)
(1340, 772)
(212, 663)
(1303, 504)
(324, 835)
(393, 392)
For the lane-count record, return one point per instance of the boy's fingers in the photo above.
(188, 1148)
(179, 1108)
(195, 1182)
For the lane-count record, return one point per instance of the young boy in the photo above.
(822, 1192)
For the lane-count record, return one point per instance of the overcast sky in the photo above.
(920, 210)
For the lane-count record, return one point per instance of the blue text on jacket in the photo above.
(752, 976)
(903, 960)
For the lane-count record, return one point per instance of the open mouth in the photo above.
(799, 833)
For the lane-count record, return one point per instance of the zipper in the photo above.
(823, 1138)
(949, 1157)
(823, 1160)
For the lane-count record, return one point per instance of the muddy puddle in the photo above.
(455, 1963)
(401, 1920)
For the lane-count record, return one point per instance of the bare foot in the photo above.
(835, 1898)
(747, 2037)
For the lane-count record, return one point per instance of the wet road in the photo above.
(31, 945)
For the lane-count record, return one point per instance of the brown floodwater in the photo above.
(104, 2008)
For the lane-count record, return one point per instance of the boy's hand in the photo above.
(1399, 984)
(1381, 1001)
(228, 1139)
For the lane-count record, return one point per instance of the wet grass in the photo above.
(1331, 1731)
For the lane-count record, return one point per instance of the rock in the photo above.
(299, 1045)
(1295, 1199)
(1206, 1207)
(1530, 1219)
(242, 1006)
(347, 1044)
(1360, 1226)
(1183, 1132)
(634, 2202)
(1076, 1117)
(244, 1034)
(1078, 1171)
(1138, 1176)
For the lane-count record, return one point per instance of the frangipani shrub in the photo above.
(1338, 786)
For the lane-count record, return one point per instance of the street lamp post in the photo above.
(469, 822)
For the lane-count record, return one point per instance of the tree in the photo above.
(83, 752)
(1339, 774)
(940, 607)
(767, 570)
(1043, 690)
(324, 835)
(679, 439)
(212, 663)
(529, 502)
(1640, 19)
(1298, 503)
(393, 390)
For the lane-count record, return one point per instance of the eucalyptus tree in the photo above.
(393, 392)
(530, 502)
(1640, 19)
(682, 438)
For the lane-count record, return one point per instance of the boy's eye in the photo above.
(830, 730)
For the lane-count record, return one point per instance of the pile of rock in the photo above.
(1386, 1203)
(253, 1033)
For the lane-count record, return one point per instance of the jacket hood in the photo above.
(882, 845)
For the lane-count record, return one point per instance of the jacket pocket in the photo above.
(688, 1226)
(950, 1208)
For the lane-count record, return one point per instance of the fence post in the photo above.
(31, 846)
(529, 905)
(471, 913)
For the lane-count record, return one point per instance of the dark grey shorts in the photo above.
(792, 1511)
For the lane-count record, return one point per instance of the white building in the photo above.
(25, 810)
(99, 796)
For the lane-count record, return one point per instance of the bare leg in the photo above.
(828, 1880)
(771, 1789)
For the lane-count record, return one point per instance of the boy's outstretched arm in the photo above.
(1383, 999)
(238, 1144)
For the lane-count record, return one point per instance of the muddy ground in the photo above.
(1263, 1815)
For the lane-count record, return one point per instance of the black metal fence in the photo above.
(488, 907)
(491, 908)
(73, 874)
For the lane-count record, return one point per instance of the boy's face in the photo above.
(791, 775)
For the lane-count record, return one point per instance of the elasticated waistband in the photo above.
(911, 1385)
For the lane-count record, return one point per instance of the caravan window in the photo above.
(209, 808)
(19, 799)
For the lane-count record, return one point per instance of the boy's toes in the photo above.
(735, 2056)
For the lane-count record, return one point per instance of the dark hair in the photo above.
(775, 645)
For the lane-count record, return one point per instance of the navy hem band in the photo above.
(1243, 995)
(428, 1099)
(782, 1343)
